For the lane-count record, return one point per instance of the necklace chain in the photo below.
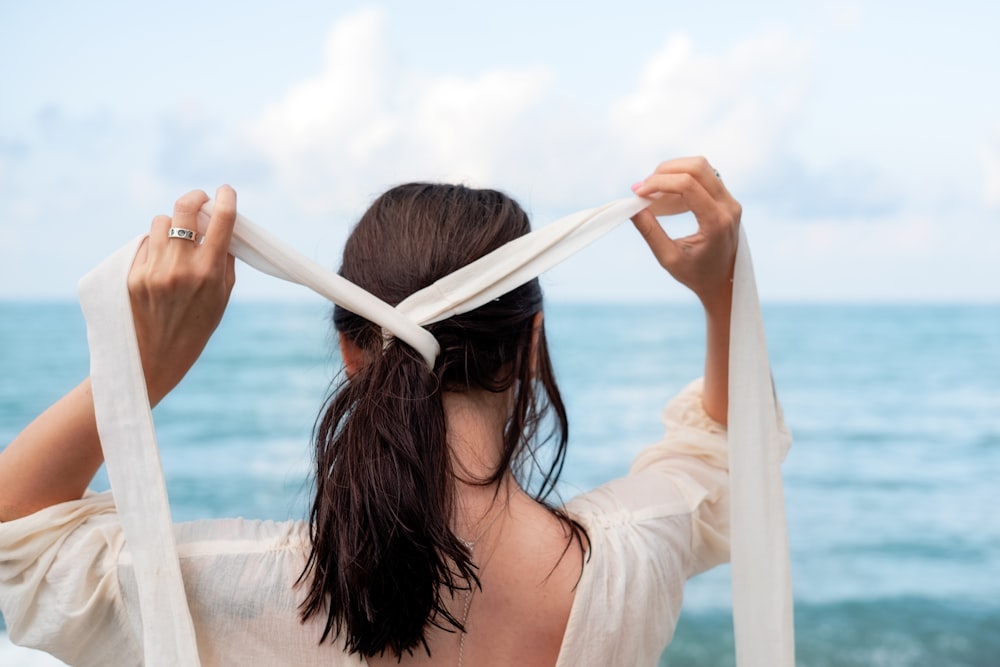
(465, 618)
(471, 546)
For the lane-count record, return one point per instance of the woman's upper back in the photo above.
(529, 566)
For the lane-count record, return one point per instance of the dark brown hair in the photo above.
(383, 555)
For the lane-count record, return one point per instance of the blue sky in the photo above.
(862, 138)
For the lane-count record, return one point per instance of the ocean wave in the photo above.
(894, 632)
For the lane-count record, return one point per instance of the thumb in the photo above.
(664, 248)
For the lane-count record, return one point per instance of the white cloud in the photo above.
(349, 93)
(365, 121)
(463, 126)
(734, 108)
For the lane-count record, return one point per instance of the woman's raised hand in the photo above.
(703, 261)
(179, 287)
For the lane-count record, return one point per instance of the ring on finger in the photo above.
(182, 233)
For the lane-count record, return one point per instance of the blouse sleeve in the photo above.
(691, 462)
(649, 532)
(693, 456)
(684, 475)
(59, 586)
(68, 587)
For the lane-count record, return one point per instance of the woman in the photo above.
(424, 546)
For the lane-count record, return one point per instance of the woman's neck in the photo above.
(476, 423)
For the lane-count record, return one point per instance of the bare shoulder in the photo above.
(530, 586)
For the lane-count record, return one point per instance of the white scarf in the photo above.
(761, 580)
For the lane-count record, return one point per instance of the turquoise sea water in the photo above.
(892, 485)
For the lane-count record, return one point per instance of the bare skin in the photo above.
(529, 566)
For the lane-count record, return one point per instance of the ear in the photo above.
(353, 356)
(536, 333)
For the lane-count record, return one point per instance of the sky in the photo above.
(862, 138)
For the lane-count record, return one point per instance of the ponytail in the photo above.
(383, 551)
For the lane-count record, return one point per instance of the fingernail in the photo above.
(636, 186)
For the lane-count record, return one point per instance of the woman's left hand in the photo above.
(178, 291)
(179, 288)
(703, 261)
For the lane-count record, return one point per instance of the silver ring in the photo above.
(181, 233)
(717, 174)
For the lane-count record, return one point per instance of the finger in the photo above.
(707, 211)
(663, 203)
(157, 240)
(664, 248)
(186, 216)
(220, 228)
(700, 168)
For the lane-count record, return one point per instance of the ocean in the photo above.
(892, 485)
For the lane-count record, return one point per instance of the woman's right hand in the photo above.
(703, 261)
(179, 288)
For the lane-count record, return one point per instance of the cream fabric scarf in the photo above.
(761, 581)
